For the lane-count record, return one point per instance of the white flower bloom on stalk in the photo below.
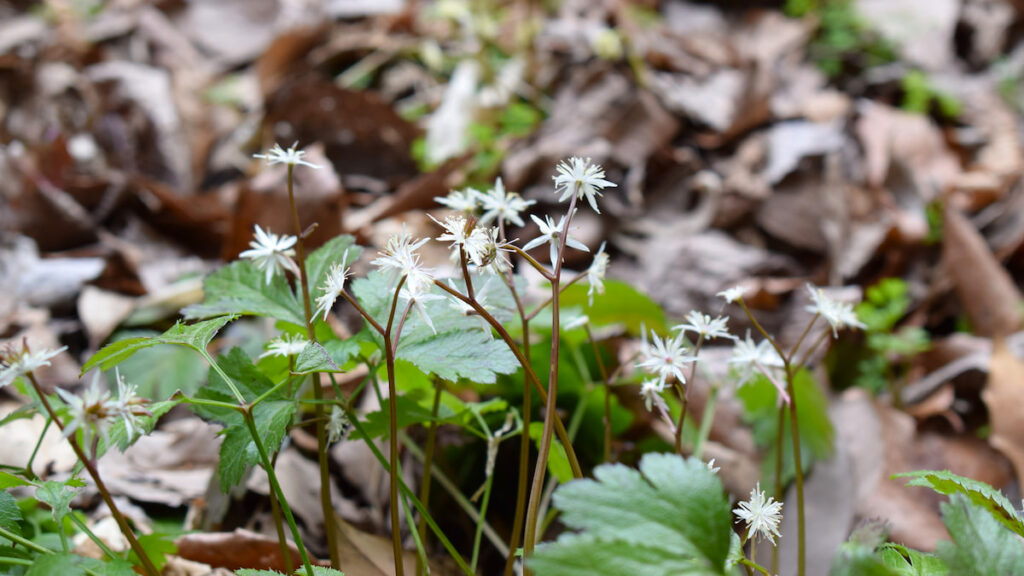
(502, 206)
(417, 292)
(578, 176)
(271, 253)
(839, 315)
(596, 273)
(651, 391)
(399, 258)
(467, 200)
(733, 294)
(16, 364)
(93, 413)
(287, 345)
(762, 515)
(461, 235)
(666, 358)
(705, 327)
(338, 426)
(552, 234)
(291, 156)
(130, 406)
(491, 252)
(334, 285)
(751, 358)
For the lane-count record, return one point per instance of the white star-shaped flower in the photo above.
(94, 413)
(596, 273)
(15, 365)
(666, 358)
(550, 233)
(467, 200)
(502, 206)
(334, 285)
(751, 358)
(733, 294)
(704, 326)
(761, 514)
(578, 176)
(130, 406)
(271, 253)
(287, 345)
(839, 315)
(291, 156)
(399, 258)
(651, 391)
(417, 292)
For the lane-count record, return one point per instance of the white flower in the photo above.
(751, 358)
(651, 391)
(761, 514)
(417, 291)
(291, 156)
(711, 466)
(458, 232)
(578, 176)
(16, 365)
(338, 426)
(272, 253)
(596, 272)
(490, 252)
(334, 285)
(503, 206)
(399, 257)
(93, 413)
(552, 234)
(839, 315)
(666, 358)
(130, 406)
(467, 200)
(704, 326)
(287, 345)
(733, 294)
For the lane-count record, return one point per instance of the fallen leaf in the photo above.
(1004, 397)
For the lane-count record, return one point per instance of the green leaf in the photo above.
(63, 564)
(979, 494)
(409, 412)
(558, 460)
(10, 514)
(272, 416)
(759, 399)
(157, 546)
(460, 348)
(858, 560)
(119, 431)
(670, 517)
(321, 571)
(330, 356)
(240, 288)
(909, 562)
(58, 496)
(620, 304)
(196, 336)
(319, 262)
(8, 480)
(252, 572)
(981, 546)
(161, 371)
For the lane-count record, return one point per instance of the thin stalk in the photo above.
(480, 522)
(684, 400)
(524, 456)
(537, 488)
(801, 562)
(547, 301)
(753, 565)
(389, 358)
(275, 486)
(282, 540)
(428, 464)
(706, 421)
(421, 552)
(35, 450)
(92, 536)
(90, 466)
(326, 506)
(15, 538)
(778, 475)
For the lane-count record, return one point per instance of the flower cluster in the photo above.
(839, 315)
(14, 365)
(762, 515)
(95, 412)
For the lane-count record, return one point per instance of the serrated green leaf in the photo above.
(196, 336)
(461, 347)
(10, 514)
(58, 496)
(8, 480)
(672, 510)
(979, 493)
(329, 357)
(63, 564)
(253, 572)
(857, 560)
(160, 371)
(909, 562)
(981, 546)
(321, 571)
(620, 304)
(240, 288)
(319, 262)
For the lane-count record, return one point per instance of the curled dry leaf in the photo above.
(1004, 396)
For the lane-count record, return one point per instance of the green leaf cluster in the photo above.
(669, 518)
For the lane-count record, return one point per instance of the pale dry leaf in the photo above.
(984, 287)
(1004, 397)
(921, 31)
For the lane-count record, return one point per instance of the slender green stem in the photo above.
(800, 524)
(524, 456)
(389, 358)
(706, 421)
(326, 506)
(15, 561)
(547, 301)
(5, 533)
(90, 466)
(282, 540)
(275, 486)
(682, 389)
(551, 407)
(800, 340)
(780, 426)
(35, 450)
(480, 522)
(92, 536)
(761, 329)
(421, 552)
(428, 465)
(536, 265)
(753, 565)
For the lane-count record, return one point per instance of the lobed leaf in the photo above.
(981, 546)
(977, 492)
(240, 288)
(196, 336)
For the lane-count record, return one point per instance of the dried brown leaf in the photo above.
(1004, 396)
